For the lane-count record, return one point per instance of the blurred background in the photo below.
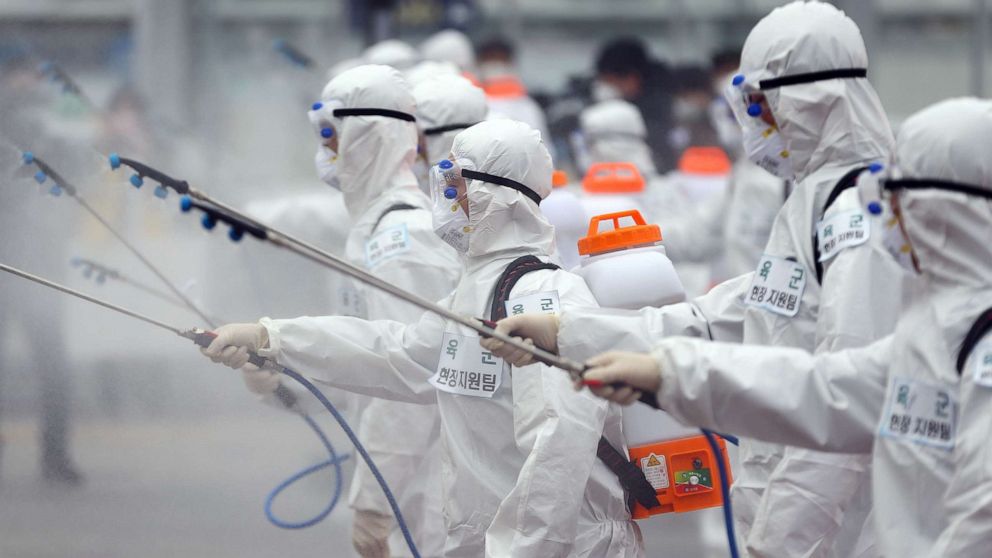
(116, 439)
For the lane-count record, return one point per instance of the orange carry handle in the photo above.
(707, 160)
(613, 178)
(638, 234)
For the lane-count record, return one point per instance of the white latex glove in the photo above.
(535, 329)
(234, 341)
(639, 371)
(370, 534)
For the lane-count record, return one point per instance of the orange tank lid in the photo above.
(704, 160)
(613, 178)
(559, 179)
(638, 234)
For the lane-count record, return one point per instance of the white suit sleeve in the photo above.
(811, 494)
(559, 431)
(968, 500)
(379, 358)
(787, 396)
(717, 315)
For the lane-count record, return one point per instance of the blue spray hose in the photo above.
(361, 451)
(721, 465)
(335, 461)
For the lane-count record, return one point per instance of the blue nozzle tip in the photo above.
(327, 133)
(445, 164)
(136, 181)
(450, 192)
(738, 79)
(208, 222)
(876, 167)
(279, 43)
(874, 208)
(27, 157)
(161, 192)
(185, 204)
(317, 106)
(100, 279)
(754, 109)
(55, 190)
(235, 234)
(40, 177)
(115, 161)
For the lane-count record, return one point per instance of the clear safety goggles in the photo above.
(324, 115)
(448, 179)
(744, 95)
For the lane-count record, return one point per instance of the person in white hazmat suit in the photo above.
(521, 476)
(446, 105)
(452, 46)
(817, 119)
(369, 154)
(919, 399)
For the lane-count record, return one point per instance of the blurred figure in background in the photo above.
(453, 47)
(31, 327)
(507, 95)
(624, 70)
(446, 105)
(392, 52)
(690, 109)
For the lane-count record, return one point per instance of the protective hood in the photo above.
(450, 46)
(446, 105)
(951, 232)
(839, 121)
(503, 219)
(428, 70)
(391, 52)
(375, 153)
(614, 131)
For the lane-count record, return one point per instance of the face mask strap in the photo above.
(338, 113)
(501, 181)
(447, 128)
(810, 77)
(936, 184)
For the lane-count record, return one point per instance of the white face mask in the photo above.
(896, 243)
(451, 224)
(602, 91)
(327, 167)
(764, 147)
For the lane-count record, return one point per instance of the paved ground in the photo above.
(165, 487)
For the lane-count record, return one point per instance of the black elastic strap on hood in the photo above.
(447, 128)
(978, 330)
(501, 181)
(936, 184)
(374, 112)
(796, 79)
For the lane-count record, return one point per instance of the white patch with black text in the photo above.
(777, 286)
(464, 367)
(840, 231)
(920, 412)
(385, 244)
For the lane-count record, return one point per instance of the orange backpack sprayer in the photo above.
(626, 267)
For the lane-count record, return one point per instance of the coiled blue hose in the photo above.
(334, 461)
(361, 451)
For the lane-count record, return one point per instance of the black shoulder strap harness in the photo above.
(631, 478)
(390, 209)
(849, 180)
(978, 330)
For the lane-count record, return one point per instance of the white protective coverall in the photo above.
(933, 490)
(375, 157)
(519, 467)
(829, 128)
